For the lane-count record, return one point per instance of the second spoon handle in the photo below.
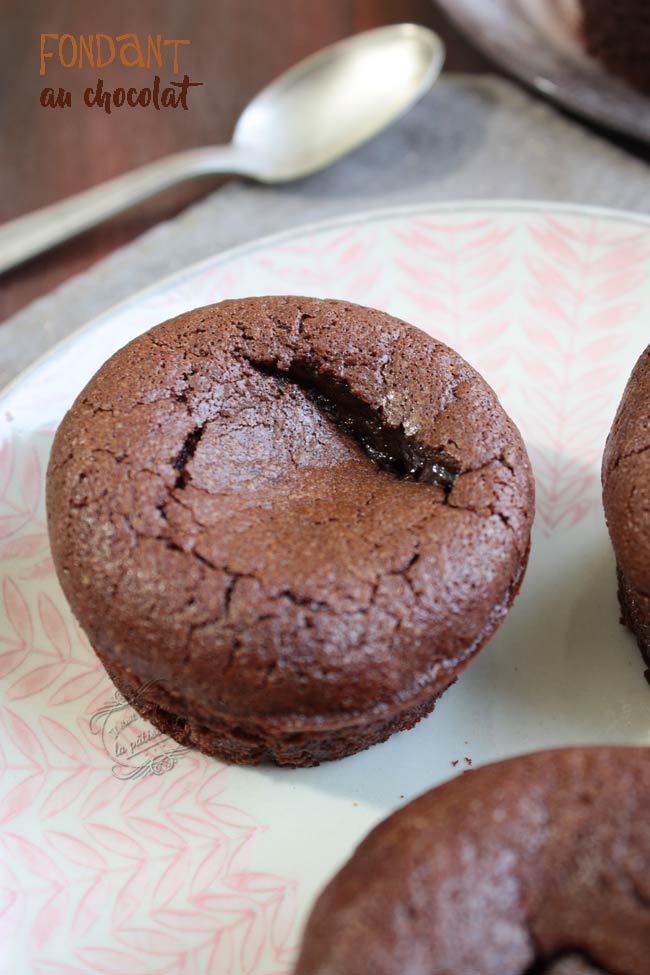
(28, 236)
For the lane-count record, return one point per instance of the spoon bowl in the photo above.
(319, 110)
(337, 99)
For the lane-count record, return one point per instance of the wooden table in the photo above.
(237, 46)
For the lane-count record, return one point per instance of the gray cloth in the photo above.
(469, 138)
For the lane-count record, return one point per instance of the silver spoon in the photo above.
(316, 112)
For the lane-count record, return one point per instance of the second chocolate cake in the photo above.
(286, 525)
(626, 499)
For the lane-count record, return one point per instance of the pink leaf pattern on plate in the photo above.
(25, 547)
(30, 485)
(37, 861)
(20, 797)
(17, 612)
(45, 967)
(101, 795)
(116, 842)
(169, 886)
(36, 570)
(25, 740)
(91, 904)
(163, 834)
(54, 626)
(77, 687)
(580, 327)
(65, 741)
(108, 961)
(9, 524)
(130, 896)
(10, 660)
(7, 461)
(210, 869)
(76, 851)
(50, 916)
(141, 791)
(35, 680)
(189, 872)
(64, 794)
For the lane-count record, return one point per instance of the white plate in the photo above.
(185, 865)
(539, 42)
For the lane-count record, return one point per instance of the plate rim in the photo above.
(218, 258)
(518, 215)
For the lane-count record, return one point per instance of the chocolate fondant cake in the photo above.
(539, 865)
(287, 524)
(617, 33)
(626, 499)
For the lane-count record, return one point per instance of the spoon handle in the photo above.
(27, 236)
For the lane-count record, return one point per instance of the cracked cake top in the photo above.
(287, 506)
